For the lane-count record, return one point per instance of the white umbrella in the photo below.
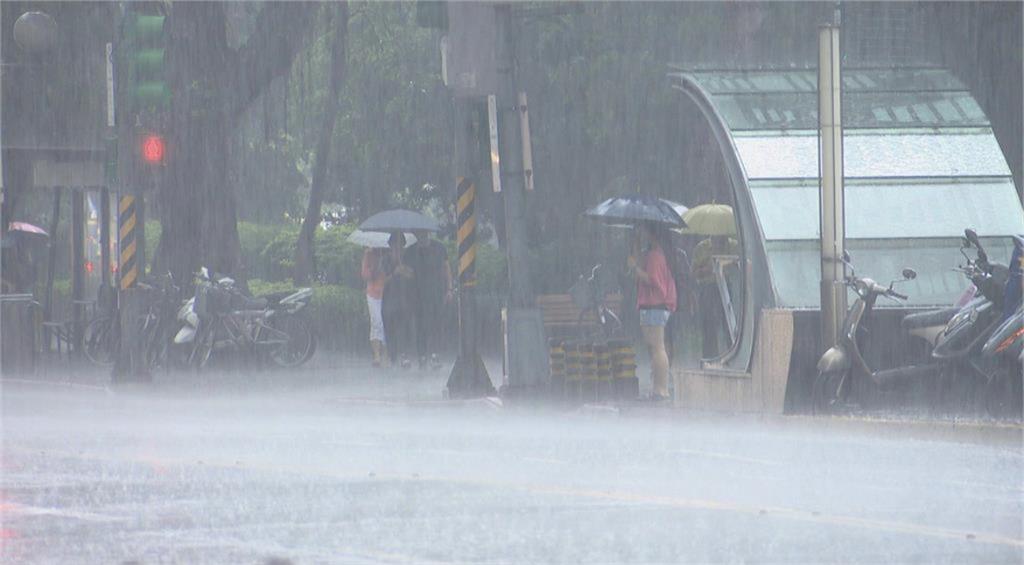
(376, 239)
(398, 219)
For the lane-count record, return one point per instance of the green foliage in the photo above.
(61, 289)
(277, 260)
(153, 231)
(491, 271)
(254, 239)
(338, 260)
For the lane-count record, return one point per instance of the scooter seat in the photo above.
(928, 319)
(275, 297)
(254, 304)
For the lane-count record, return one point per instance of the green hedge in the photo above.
(338, 260)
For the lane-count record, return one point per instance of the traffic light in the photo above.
(153, 149)
(144, 94)
(145, 36)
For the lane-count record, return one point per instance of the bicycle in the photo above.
(266, 328)
(589, 295)
(101, 340)
(157, 325)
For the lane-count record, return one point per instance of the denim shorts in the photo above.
(654, 317)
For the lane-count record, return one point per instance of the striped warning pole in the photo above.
(469, 377)
(131, 238)
(466, 214)
(127, 221)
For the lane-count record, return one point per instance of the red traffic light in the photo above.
(153, 149)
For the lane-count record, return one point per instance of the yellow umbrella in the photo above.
(710, 219)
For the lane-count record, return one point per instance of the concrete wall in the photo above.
(762, 390)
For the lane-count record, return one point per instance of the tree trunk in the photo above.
(211, 86)
(305, 258)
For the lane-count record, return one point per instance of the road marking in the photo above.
(8, 508)
(794, 514)
(725, 456)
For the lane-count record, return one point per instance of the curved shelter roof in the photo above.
(921, 164)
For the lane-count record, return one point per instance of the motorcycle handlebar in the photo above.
(895, 294)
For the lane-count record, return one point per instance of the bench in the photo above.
(585, 368)
(562, 317)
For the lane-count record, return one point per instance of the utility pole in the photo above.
(528, 371)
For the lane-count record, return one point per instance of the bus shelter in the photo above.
(921, 165)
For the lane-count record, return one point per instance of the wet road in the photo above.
(328, 467)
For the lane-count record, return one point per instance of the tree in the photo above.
(305, 258)
(211, 86)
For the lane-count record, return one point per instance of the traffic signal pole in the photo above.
(143, 96)
(469, 376)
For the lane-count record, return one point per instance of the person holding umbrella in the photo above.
(432, 290)
(375, 274)
(717, 223)
(651, 263)
(377, 267)
(397, 302)
(655, 298)
(396, 306)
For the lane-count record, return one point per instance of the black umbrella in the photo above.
(399, 220)
(636, 208)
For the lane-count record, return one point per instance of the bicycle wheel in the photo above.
(154, 343)
(298, 345)
(202, 345)
(100, 342)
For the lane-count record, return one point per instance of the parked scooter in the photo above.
(930, 325)
(841, 363)
(221, 317)
(965, 370)
(1003, 353)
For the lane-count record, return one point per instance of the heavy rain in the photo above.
(511, 282)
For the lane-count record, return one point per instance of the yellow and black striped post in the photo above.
(466, 214)
(127, 222)
(469, 377)
(131, 238)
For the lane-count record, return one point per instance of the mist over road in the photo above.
(322, 467)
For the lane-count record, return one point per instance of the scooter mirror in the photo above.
(909, 274)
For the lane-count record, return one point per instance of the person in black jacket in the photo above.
(396, 305)
(431, 290)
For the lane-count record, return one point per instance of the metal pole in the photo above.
(77, 264)
(830, 164)
(105, 236)
(527, 350)
(111, 174)
(51, 261)
(469, 376)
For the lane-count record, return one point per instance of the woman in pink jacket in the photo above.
(655, 298)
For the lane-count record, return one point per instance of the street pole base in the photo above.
(469, 378)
